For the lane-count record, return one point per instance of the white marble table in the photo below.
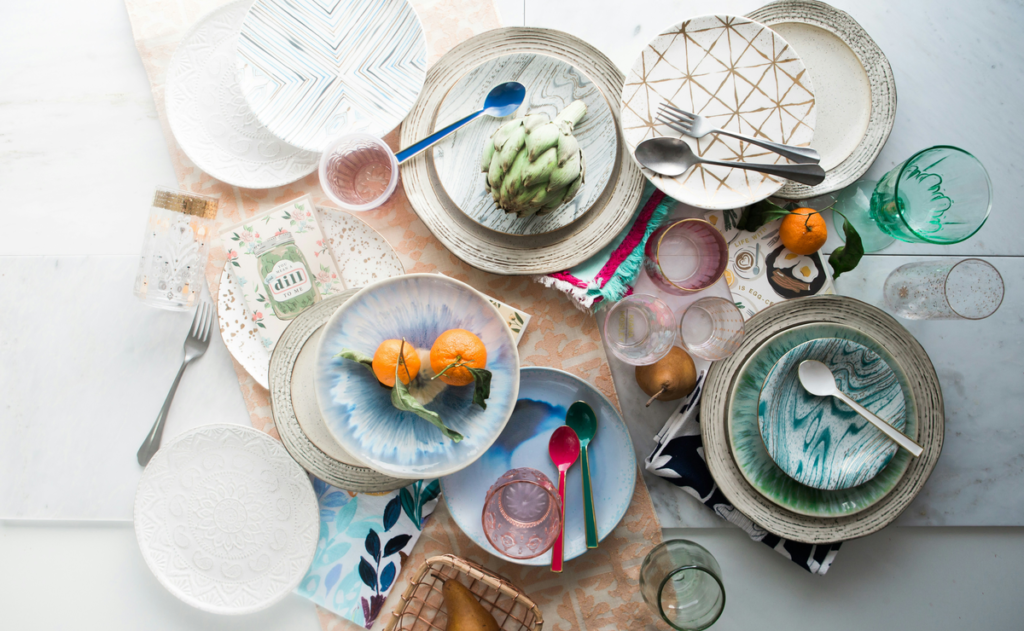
(77, 122)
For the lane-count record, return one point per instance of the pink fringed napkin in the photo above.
(610, 274)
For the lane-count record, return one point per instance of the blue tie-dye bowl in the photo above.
(357, 409)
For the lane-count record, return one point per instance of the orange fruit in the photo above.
(803, 231)
(457, 346)
(385, 360)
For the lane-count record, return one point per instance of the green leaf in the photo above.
(482, 379)
(409, 505)
(403, 400)
(356, 356)
(757, 215)
(845, 258)
(519, 318)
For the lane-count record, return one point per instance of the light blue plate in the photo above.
(357, 409)
(820, 441)
(544, 396)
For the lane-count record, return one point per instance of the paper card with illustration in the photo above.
(761, 270)
(281, 262)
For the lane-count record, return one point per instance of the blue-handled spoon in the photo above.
(501, 101)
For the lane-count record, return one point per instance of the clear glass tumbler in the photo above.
(175, 249)
(358, 172)
(522, 514)
(711, 328)
(940, 195)
(685, 256)
(639, 329)
(970, 289)
(682, 582)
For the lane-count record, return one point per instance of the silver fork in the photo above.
(195, 345)
(696, 126)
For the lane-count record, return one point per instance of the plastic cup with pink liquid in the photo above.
(358, 172)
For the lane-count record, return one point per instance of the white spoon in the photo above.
(817, 379)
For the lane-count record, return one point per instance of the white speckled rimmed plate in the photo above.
(551, 85)
(226, 520)
(743, 77)
(363, 256)
(313, 70)
(853, 83)
(210, 118)
(544, 396)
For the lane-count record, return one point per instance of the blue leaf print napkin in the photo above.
(364, 540)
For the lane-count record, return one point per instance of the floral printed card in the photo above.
(364, 541)
(282, 265)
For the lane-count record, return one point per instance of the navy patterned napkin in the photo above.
(679, 458)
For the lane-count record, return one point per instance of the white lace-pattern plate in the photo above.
(210, 118)
(362, 255)
(226, 520)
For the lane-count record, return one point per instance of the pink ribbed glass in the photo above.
(358, 172)
(686, 256)
(522, 514)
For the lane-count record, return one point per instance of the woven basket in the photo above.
(422, 606)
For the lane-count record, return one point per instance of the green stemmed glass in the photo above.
(940, 195)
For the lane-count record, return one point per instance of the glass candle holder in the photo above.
(522, 514)
(639, 329)
(970, 289)
(686, 256)
(175, 249)
(682, 582)
(711, 328)
(940, 195)
(358, 172)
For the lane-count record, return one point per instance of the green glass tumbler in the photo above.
(681, 581)
(940, 195)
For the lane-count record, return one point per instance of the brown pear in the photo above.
(672, 377)
(465, 613)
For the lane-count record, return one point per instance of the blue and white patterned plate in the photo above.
(357, 409)
(313, 70)
(819, 441)
(544, 396)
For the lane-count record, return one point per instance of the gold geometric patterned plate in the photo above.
(743, 77)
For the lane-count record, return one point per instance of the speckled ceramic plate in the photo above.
(742, 77)
(755, 462)
(363, 256)
(731, 437)
(551, 85)
(297, 414)
(544, 396)
(819, 441)
(853, 85)
(358, 411)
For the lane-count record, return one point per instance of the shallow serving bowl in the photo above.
(357, 409)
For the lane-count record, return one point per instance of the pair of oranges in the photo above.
(454, 350)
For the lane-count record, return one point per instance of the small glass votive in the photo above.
(522, 514)
(686, 256)
(358, 172)
(970, 289)
(175, 249)
(639, 329)
(711, 328)
(682, 582)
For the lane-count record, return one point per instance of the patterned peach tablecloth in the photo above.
(596, 591)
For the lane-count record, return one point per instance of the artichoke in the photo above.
(534, 164)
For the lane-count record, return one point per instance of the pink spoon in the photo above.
(564, 448)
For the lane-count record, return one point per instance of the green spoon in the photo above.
(583, 421)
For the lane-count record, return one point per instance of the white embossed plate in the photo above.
(313, 70)
(226, 520)
(362, 255)
(742, 76)
(210, 118)
(551, 85)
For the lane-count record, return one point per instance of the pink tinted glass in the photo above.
(522, 515)
(686, 256)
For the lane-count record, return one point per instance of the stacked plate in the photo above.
(807, 469)
(446, 186)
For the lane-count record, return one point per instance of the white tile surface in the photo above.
(85, 369)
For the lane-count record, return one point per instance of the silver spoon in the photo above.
(757, 257)
(672, 156)
(817, 379)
